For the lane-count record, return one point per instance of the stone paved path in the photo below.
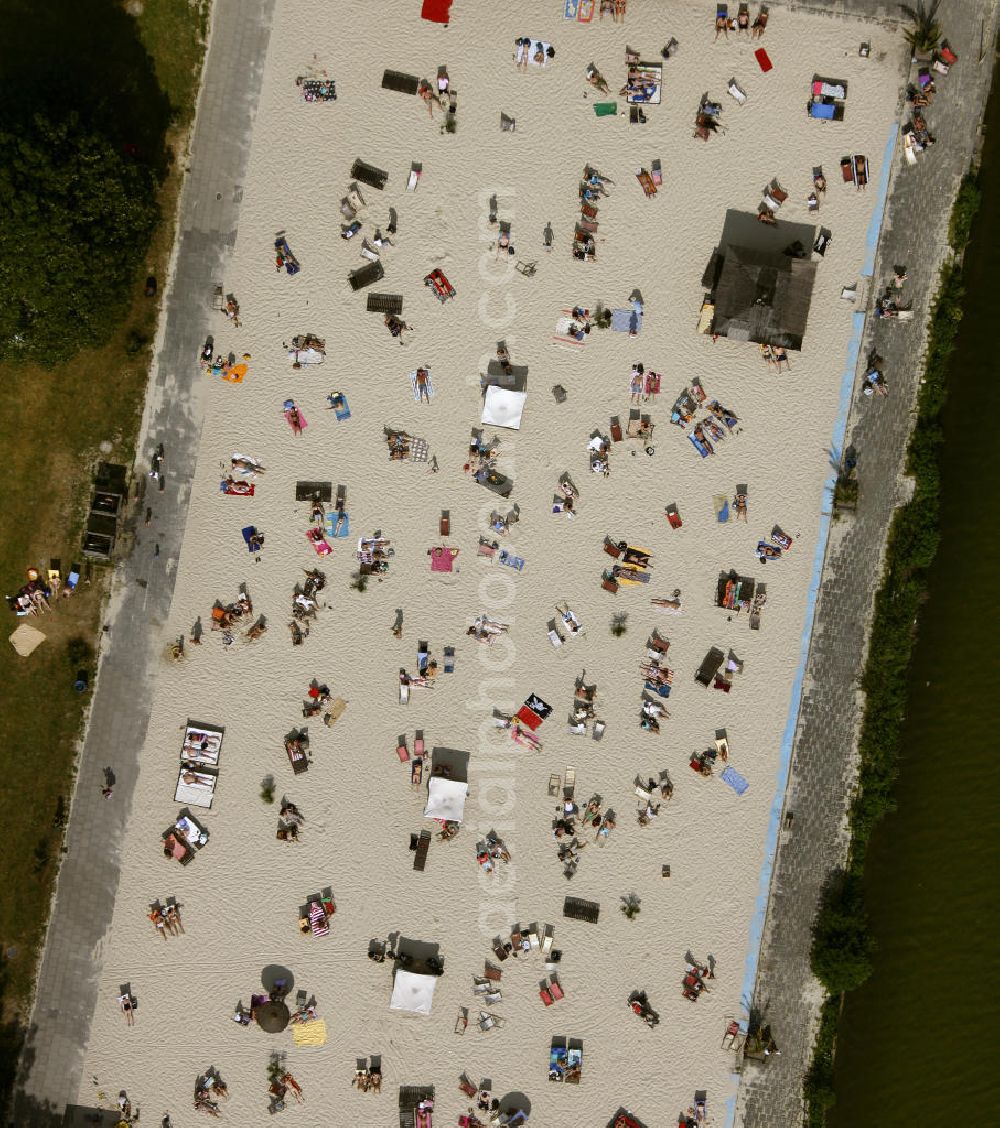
(72, 960)
(914, 234)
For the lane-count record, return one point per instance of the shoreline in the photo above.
(763, 1091)
(827, 517)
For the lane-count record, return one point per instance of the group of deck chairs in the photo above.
(592, 187)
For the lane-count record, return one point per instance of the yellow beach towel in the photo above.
(310, 1033)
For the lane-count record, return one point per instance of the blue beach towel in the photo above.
(735, 781)
(699, 446)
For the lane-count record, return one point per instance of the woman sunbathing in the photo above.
(596, 79)
(426, 91)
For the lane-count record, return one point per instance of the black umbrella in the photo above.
(272, 1017)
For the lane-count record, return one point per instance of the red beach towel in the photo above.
(436, 11)
(762, 57)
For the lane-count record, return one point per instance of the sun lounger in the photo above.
(736, 92)
(420, 854)
(385, 303)
(399, 82)
(709, 666)
(577, 909)
(368, 174)
(645, 182)
(366, 275)
(860, 171)
(449, 660)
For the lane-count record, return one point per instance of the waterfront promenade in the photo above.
(914, 234)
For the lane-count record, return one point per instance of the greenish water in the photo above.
(919, 1041)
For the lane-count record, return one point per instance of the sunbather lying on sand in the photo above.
(596, 79)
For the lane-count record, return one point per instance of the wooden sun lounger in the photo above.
(385, 303)
(400, 82)
(369, 174)
(366, 275)
(420, 855)
(577, 909)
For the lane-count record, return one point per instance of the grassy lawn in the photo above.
(52, 425)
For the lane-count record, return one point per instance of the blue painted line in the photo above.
(756, 936)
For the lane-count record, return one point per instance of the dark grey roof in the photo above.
(763, 296)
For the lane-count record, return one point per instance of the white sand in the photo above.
(240, 896)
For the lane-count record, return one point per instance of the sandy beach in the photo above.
(241, 894)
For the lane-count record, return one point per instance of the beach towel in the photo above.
(310, 1033)
(606, 109)
(237, 489)
(436, 11)
(443, 558)
(302, 419)
(699, 446)
(316, 539)
(763, 59)
(248, 532)
(626, 321)
(735, 780)
(721, 505)
(331, 524)
(515, 562)
(416, 390)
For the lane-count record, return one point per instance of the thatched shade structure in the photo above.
(272, 1017)
(763, 296)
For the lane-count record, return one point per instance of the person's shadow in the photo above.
(109, 777)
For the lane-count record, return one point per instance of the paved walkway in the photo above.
(914, 234)
(72, 961)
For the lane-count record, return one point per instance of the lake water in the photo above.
(918, 1042)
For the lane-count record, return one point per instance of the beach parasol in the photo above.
(272, 1017)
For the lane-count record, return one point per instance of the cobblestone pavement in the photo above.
(915, 234)
(72, 960)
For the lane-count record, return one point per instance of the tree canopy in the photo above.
(75, 218)
(81, 154)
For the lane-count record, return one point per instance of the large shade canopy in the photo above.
(503, 408)
(412, 992)
(445, 799)
(272, 1017)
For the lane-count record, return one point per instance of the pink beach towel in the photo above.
(443, 559)
(302, 420)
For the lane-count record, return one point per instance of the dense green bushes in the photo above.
(842, 947)
(82, 153)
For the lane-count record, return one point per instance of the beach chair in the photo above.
(401, 750)
(556, 989)
(507, 123)
(645, 182)
(569, 783)
(545, 995)
(449, 660)
(414, 177)
(462, 1021)
(526, 268)
(736, 92)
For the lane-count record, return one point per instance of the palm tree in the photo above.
(924, 34)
